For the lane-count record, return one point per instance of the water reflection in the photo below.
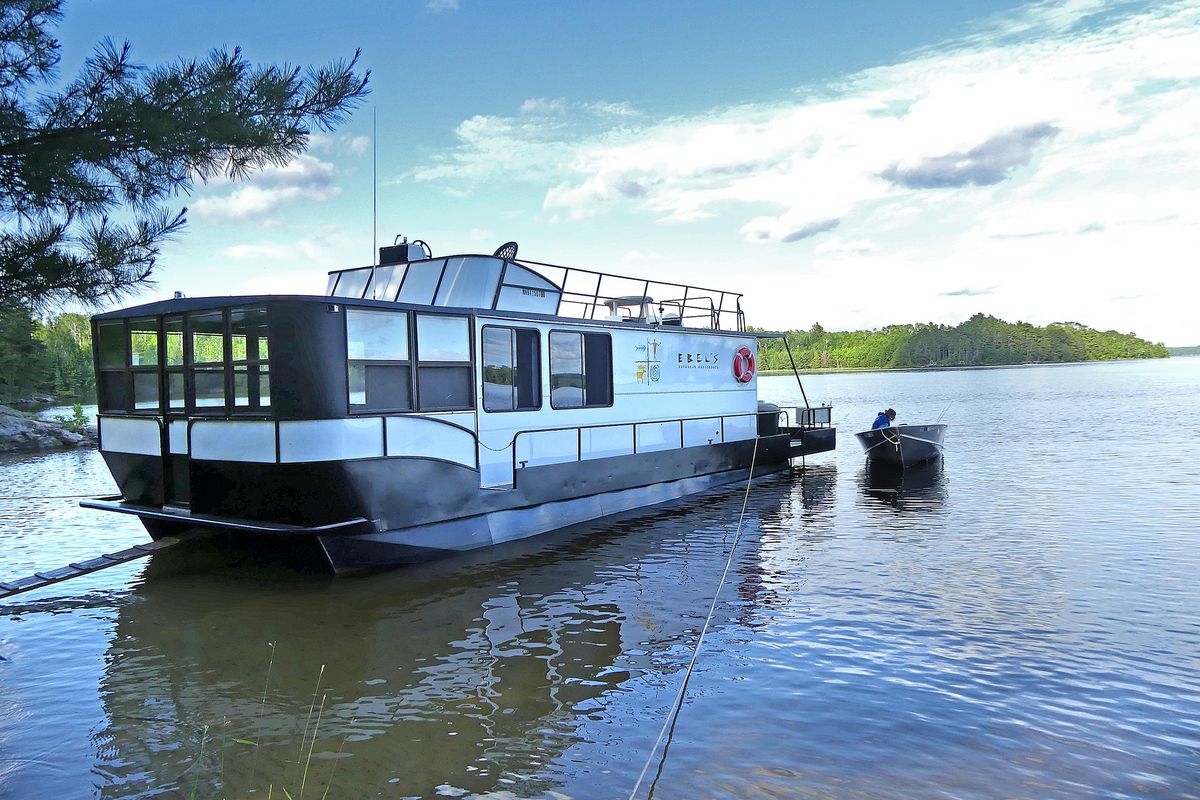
(920, 488)
(469, 674)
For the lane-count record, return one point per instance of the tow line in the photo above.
(73, 570)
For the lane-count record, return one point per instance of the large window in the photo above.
(112, 358)
(380, 367)
(208, 361)
(444, 363)
(250, 349)
(173, 331)
(143, 358)
(512, 378)
(580, 370)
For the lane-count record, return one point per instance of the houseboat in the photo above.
(428, 405)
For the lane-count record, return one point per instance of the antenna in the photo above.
(374, 185)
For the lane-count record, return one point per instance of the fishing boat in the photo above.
(903, 445)
(427, 405)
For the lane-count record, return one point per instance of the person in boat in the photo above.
(884, 420)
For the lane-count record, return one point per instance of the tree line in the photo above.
(982, 340)
(50, 357)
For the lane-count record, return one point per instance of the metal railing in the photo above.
(702, 307)
(633, 426)
(584, 293)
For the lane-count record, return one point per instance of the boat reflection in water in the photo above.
(917, 488)
(544, 665)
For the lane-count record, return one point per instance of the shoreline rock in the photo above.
(22, 434)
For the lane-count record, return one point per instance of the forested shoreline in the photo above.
(52, 357)
(981, 340)
(45, 358)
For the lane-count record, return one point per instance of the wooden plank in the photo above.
(86, 567)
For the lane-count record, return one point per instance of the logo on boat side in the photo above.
(648, 368)
(697, 360)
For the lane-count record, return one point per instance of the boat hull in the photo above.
(378, 513)
(903, 445)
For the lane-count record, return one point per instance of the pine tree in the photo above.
(87, 168)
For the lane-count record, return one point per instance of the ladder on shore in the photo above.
(73, 570)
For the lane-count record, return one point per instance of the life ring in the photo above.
(743, 365)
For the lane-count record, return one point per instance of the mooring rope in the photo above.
(677, 704)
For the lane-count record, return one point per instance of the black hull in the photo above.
(377, 513)
(903, 445)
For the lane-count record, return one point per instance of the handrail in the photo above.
(581, 428)
(589, 301)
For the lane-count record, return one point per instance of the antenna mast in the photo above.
(374, 185)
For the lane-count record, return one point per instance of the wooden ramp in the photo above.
(39, 579)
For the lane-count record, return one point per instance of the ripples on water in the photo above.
(1020, 622)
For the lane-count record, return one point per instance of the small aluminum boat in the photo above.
(903, 445)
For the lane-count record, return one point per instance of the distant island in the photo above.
(980, 341)
(1184, 351)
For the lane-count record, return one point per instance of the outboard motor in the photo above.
(768, 419)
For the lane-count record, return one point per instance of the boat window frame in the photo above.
(582, 333)
(537, 361)
(254, 366)
(469, 365)
(155, 369)
(190, 367)
(121, 374)
(355, 410)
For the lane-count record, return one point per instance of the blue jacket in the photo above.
(881, 421)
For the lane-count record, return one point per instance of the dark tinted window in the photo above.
(111, 344)
(580, 370)
(511, 369)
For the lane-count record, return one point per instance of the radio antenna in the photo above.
(374, 185)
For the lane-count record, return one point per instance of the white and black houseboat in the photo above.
(428, 405)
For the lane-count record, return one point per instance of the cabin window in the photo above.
(511, 369)
(469, 282)
(580, 370)
(113, 381)
(143, 359)
(380, 367)
(387, 281)
(250, 349)
(173, 333)
(208, 361)
(444, 363)
(352, 283)
(421, 281)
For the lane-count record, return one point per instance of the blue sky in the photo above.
(853, 164)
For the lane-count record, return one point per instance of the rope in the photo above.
(497, 449)
(677, 704)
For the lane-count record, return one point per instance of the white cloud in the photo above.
(340, 144)
(1053, 150)
(263, 251)
(303, 178)
(541, 105)
(440, 6)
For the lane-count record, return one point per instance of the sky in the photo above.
(852, 164)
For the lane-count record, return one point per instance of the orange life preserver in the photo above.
(743, 365)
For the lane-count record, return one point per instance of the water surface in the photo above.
(1020, 622)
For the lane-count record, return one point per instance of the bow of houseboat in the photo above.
(430, 405)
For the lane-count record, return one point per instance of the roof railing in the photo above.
(539, 287)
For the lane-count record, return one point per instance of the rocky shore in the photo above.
(21, 434)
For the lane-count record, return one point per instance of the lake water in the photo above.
(1023, 622)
